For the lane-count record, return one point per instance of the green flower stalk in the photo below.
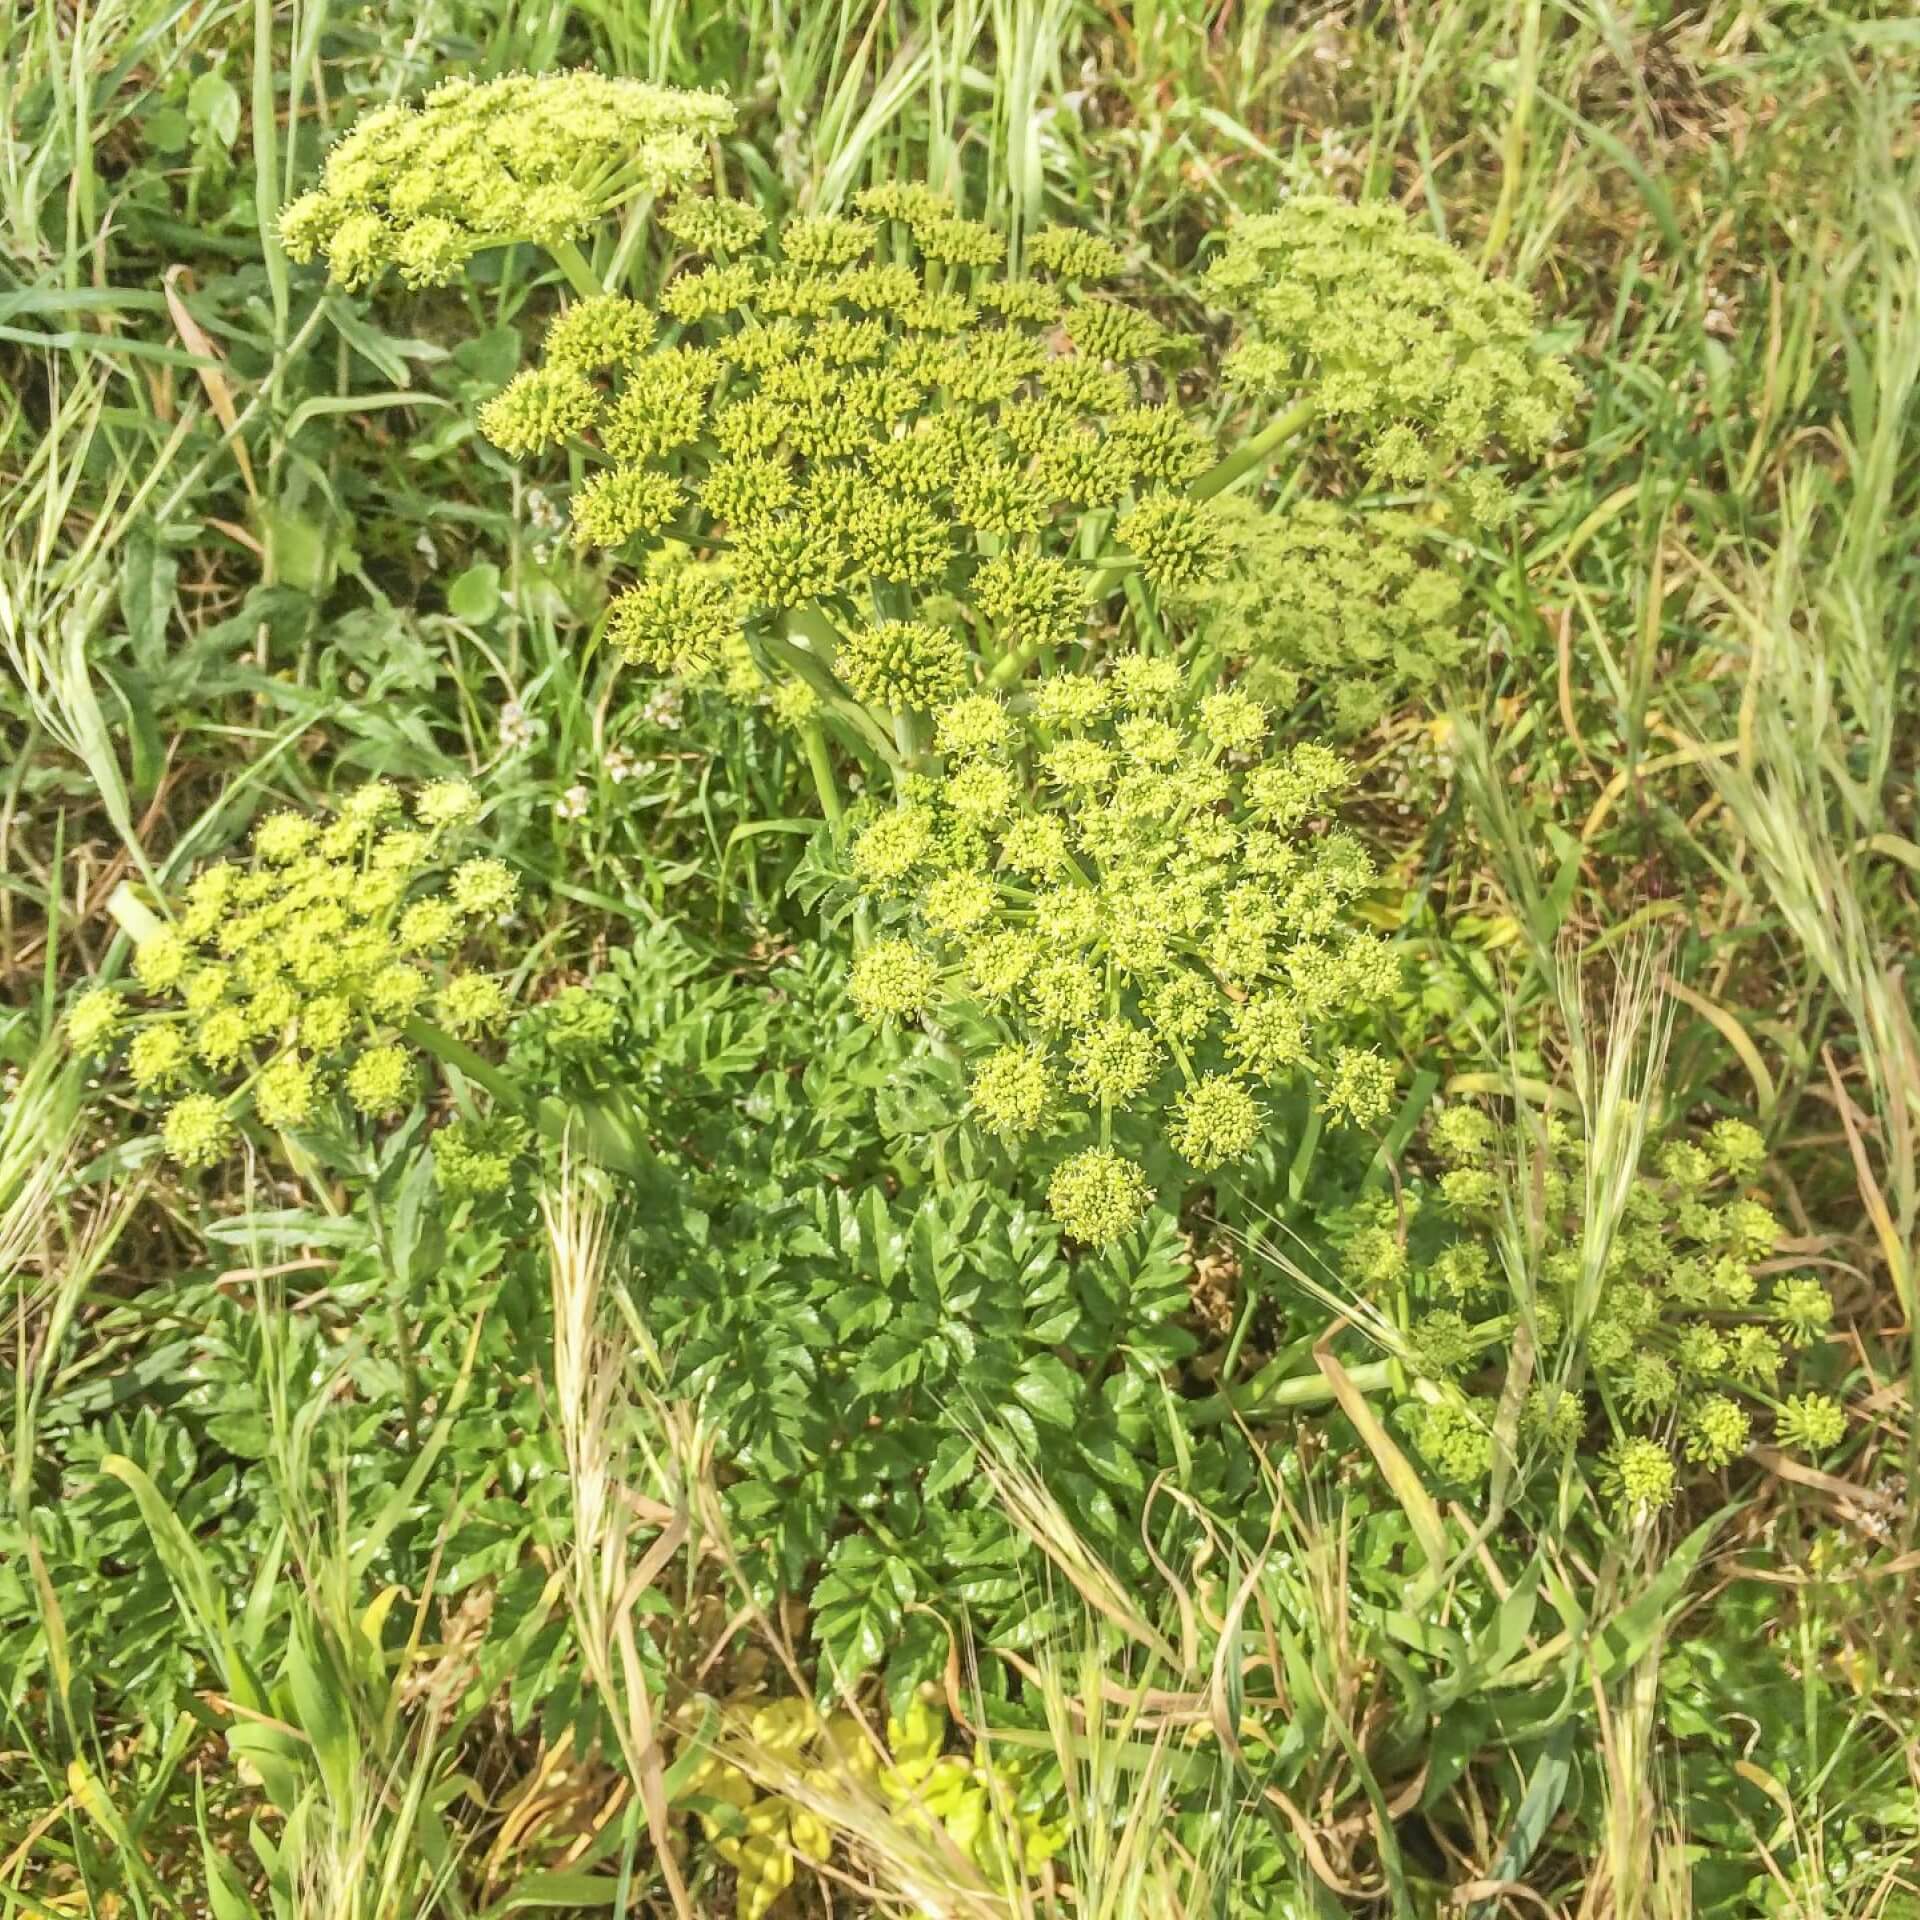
(1139, 913)
(527, 157)
(286, 988)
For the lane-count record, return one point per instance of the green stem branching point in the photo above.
(1264, 1395)
(1013, 666)
(602, 1133)
(1217, 479)
(807, 646)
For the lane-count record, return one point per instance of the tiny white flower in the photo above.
(516, 730)
(572, 804)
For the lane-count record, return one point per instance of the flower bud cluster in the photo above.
(864, 414)
(1396, 337)
(282, 988)
(480, 164)
(1685, 1330)
(1143, 907)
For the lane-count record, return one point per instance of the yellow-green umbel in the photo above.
(874, 425)
(1356, 316)
(1149, 923)
(286, 984)
(1097, 1196)
(477, 164)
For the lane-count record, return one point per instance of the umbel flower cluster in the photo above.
(1686, 1329)
(1421, 361)
(527, 157)
(1356, 605)
(283, 987)
(872, 422)
(1133, 898)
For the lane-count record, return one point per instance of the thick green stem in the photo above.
(1243, 1321)
(456, 1053)
(411, 1291)
(573, 263)
(1255, 452)
(1013, 665)
(911, 738)
(1260, 1395)
(633, 236)
(814, 739)
(813, 663)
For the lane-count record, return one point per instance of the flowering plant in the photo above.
(859, 460)
(953, 504)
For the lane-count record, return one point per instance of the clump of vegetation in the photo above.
(801, 1106)
(968, 1805)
